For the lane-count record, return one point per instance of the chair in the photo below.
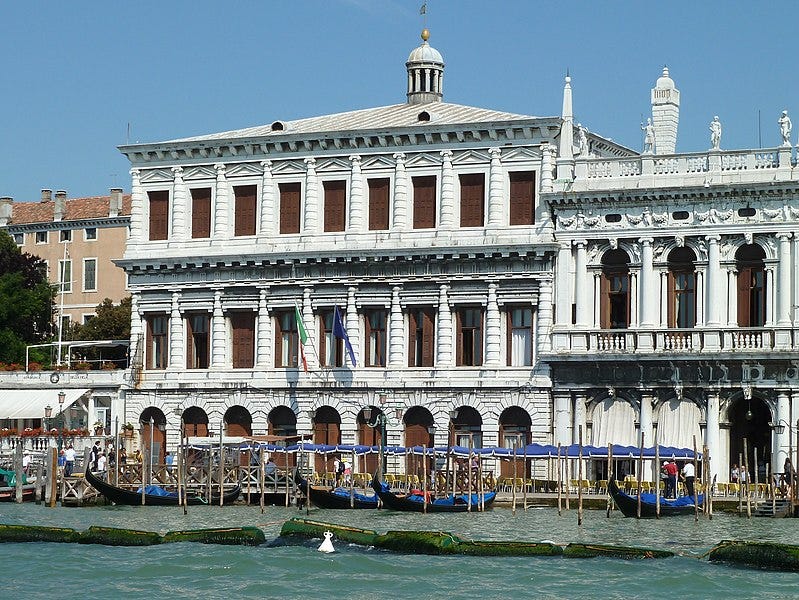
(721, 489)
(602, 486)
(733, 489)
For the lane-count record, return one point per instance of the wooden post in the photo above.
(262, 476)
(424, 479)
(524, 477)
(640, 474)
(286, 463)
(560, 508)
(580, 477)
(696, 506)
(610, 474)
(18, 473)
(210, 470)
(748, 497)
(515, 473)
(706, 481)
(38, 490)
(567, 475)
(221, 465)
(657, 478)
(52, 476)
(741, 484)
(116, 449)
(469, 476)
(352, 480)
(454, 475)
(481, 485)
(757, 475)
(180, 472)
(184, 439)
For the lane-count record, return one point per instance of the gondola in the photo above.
(155, 496)
(335, 498)
(415, 502)
(8, 489)
(628, 505)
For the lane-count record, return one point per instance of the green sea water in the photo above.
(44, 570)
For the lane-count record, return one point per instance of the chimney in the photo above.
(6, 207)
(60, 209)
(115, 203)
(47, 195)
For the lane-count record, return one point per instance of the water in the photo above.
(41, 570)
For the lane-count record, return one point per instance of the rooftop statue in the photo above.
(649, 136)
(582, 140)
(715, 133)
(785, 128)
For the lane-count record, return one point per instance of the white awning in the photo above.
(29, 404)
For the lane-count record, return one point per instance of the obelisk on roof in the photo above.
(565, 160)
(665, 113)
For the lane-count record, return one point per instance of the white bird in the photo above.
(327, 545)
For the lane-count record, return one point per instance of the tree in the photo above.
(26, 301)
(110, 322)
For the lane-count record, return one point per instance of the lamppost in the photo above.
(779, 429)
(380, 421)
(48, 412)
(304, 457)
(61, 398)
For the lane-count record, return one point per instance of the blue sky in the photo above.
(74, 74)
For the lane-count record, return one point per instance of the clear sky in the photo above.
(74, 74)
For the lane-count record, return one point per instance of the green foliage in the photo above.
(26, 301)
(111, 322)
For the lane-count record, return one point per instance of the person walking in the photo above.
(688, 476)
(69, 464)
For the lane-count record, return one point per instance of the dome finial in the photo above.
(425, 34)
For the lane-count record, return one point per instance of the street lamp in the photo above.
(61, 398)
(152, 445)
(779, 429)
(379, 422)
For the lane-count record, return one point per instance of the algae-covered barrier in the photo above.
(111, 536)
(229, 536)
(37, 533)
(757, 555)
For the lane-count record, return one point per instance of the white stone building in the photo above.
(472, 309)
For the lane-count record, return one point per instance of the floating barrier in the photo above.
(37, 533)
(228, 536)
(757, 555)
(625, 552)
(111, 536)
(309, 529)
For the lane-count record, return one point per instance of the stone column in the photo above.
(563, 285)
(648, 286)
(580, 284)
(580, 419)
(444, 354)
(179, 202)
(562, 401)
(447, 192)
(544, 312)
(356, 205)
(396, 326)
(269, 216)
(732, 298)
(218, 333)
(136, 332)
(137, 202)
(311, 221)
(400, 194)
(701, 293)
(221, 232)
(712, 299)
(353, 329)
(496, 189)
(712, 434)
(664, 299)
(546, 167)
(264, 344)
(635, 306)
(597, 299)
(176, 357)
(769, 297)
(493, 328)
(312, 345)
(783, 441)
(645, 418)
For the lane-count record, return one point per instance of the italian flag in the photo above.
(303, 335)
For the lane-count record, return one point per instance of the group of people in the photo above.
(670, 472)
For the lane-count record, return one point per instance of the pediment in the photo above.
(288, 166)
(471, 157)
(423, 160)
(378, 162)
(153, 175)
(245, 170)
(202, 172)
(333, 164)
(520, 154)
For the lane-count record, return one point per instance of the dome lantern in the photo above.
(425, 73)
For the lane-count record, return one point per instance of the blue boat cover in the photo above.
(345, 493)
(681, 501)
(155, 490)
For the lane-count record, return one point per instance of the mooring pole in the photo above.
(580, 477)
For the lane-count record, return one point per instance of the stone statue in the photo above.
(582, 140)
(649, 136)
(715, 133)
(785, 128)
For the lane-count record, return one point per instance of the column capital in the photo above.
(494, 152)
(783, 236)
(267, 165)
(713, 238)
(446, 154)
(399, 157)
(178, 171)
(580, 243)
(220, 168)
(135, 173)
(355, 159)
(646, 241)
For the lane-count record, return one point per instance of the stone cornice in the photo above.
(121, 221)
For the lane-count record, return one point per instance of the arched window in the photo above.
(615, 290)
(682, 288)
(751, 286)
(238, 421)
(195, 422)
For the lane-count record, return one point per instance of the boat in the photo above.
(8, 488)
(155, 495)
(337, 497)
(628, 505)
(415, 501)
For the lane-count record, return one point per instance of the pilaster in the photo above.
(179, 201)
(493, 328)
(269, 217)
(444, 355)
(137, 199)
(218, 333)
(396, 346)
(356, 204)
(353, 328)
(176, 357)
(221, 228)
(495, 189)
(400, 194)
(447, 220)
(264, 336)
(311, 224)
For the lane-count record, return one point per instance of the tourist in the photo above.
(123, 456)
(137, 457)
(787, 477)
(338, 469)
(734, 473)
(69, 456)
(101, 462)
(26, 464)
(688, 476)
(62, 461)
(671, 479)
(94, 454)
(270, 468)
(169, 460)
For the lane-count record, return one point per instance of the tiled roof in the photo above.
(382, 117)
(77, 209)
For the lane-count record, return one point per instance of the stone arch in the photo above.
(195, 421)
(153, 436)
(238, 420)
(734, 244)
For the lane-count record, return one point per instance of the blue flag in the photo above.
(340, 332)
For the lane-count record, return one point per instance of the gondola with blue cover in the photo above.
(333, 498)
(416, 502)
(628, 504)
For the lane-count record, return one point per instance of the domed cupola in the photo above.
(425, 73)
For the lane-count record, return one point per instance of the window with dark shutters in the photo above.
(469, 350)
(201, 213)
(424, 202)
(197, 341)
(421, 338)
(378, 204)
(245, 196)
(289, 207)
(472, 200)
(335, 205)
(375, 322)
(159, 215)
(522, 198)
(242, 326)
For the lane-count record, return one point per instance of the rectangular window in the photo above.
(157, 343)
(472, 200)
(522, 198)
(65, 275)
(66, 235)
(159, 215)
(331, 348)
(245, 200)
(378, 204)
(87, 318)
(335, 205)
(289, 207)
(424, 202)
(242, 326)
(41, 237)
(470, 337)
(201, 213)
(89, 274)
(90, 234)
(19, 239)
(198, 329)
(421, 337)
(66, 320)
(520, 337)
(375, 352)
(286, 339)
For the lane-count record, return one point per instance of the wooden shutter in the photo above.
(149, 352)
(412, 339)
(278, 343)
(744, 296)
(428, 338)
(367, 325)
(243, 334)
(472, 200)
(201, 213)
(459, 340)
(671, 300)
(159, 215)
(245, 209)
(289, 207)
(604, 301)
(335, 205)
(378, 204)
(522, 198)
(424, 202)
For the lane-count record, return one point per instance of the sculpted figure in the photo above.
(649, 135)
(715, 133)
(785, 128)
(582, 140)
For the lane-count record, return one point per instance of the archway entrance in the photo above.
(418, 432)
(327, 431)
(195, 422)
(238, 421)
(749, 420)
(153, 435)
(514, 432)
(282, 421)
